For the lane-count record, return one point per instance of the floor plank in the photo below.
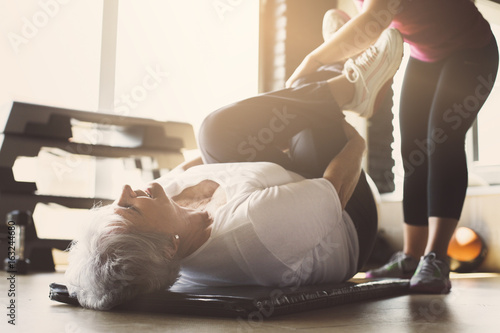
(472, 306)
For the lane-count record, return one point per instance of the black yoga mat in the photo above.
(250, 301)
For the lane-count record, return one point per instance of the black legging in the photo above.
(439, 102)
(308, 121)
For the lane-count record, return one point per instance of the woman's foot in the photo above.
(373, 70)
(432, 276)
(401, 266)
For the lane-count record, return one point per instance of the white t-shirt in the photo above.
(276, 229)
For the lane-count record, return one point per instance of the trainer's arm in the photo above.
(358, 33)
(354, 37)
(345, 168)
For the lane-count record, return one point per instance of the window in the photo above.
(180, 60)
(173, 60)
(50, 52)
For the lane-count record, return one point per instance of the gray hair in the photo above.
(110, 262)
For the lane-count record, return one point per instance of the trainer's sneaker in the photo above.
(432, 276)
(333, 20)
(400, 266)
(373, 70)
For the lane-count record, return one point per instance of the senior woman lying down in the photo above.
(278, 199)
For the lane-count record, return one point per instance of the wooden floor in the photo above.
(472, 306)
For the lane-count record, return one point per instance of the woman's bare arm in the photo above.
(353, 38)
(358, 33)
(345, 168)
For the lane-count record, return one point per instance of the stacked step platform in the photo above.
(26, 129)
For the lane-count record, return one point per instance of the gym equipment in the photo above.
(23, 241)
(249, 302)
(466, 250)
(26, 129)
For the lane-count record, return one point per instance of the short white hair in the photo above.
(111, 262)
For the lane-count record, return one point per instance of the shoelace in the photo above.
(429, 266)
(363, 61)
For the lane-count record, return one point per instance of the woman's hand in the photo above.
(307, 66)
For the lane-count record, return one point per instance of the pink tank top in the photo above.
(436, 28)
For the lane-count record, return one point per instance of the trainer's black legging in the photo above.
(305, 119)
(439, 103)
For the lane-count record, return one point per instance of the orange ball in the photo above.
(465, 245)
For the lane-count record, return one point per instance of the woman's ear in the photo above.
(173, 247)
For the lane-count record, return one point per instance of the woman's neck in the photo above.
(194, 232)
(196, 205)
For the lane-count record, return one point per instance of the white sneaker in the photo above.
(373, 70)
(333, 20)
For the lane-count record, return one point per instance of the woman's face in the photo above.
(148, 210)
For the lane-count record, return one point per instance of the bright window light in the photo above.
(180, 60)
